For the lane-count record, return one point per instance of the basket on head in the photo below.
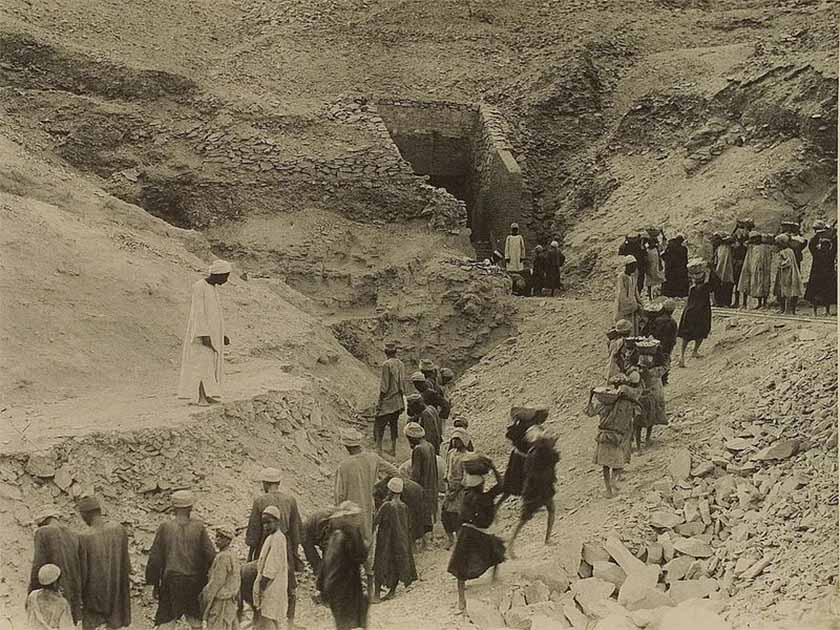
(475, 464)
(647, 346)
(605, 395)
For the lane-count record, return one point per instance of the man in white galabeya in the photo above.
(202, 359)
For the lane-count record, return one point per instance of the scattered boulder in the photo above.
(783, 449)
(648, 618)
(518, 617)
(592, 589)
(693, 547)
(688, 617)
(41, 465)
(544, 622)
(609, 572)
(682, 590)
(615, 622)
(593, 552)
(702, 469)
(622, 556)
(549, 572)
(484, 615)
(575, 617)
(537, 592)
(662, 519)
(654, 553)
(645, 598)
(677, 568)
(569, 555)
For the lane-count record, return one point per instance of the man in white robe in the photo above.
(202, 358)
(514, 249)
(271, 586)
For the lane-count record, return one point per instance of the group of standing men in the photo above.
(750, 264)
(542, 274)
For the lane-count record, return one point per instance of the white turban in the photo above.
(220, 267)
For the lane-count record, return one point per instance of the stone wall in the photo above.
(466, 145)
(501, 197)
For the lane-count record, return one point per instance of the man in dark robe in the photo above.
(432, 394)
(59, 545)
(394, 559)
(104, 567)
(179, 561)
(289, 524)
(316, 533)
(340, 580)
(675, 258)
(539, 479)
(427, 417)
(424, 471)
(664, 329)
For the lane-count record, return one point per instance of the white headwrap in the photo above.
(220, 267)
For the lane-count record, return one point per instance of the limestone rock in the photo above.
(622, 555)
(39, 465)
(603, 608)
(638, 583)
(537, 592)
(593, 552)
(648, 618)
(550, 572)
(609, 572)
(544, 622)
(686, 617)
(690, 529)
(592, 589)
(682, 590)
(63, 478)
(702, 469)
(693, 547)
(569, 555)
(518, 617)
(783, 449)
(691, 511)
(677, 568)
(654, 553)
(680, 466)
(10, 492)
(645, 598)
(615, 621)
(662, 519)
(575, 617)
(484, 615)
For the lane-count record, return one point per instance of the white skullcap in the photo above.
(220, 267)
(395, 485)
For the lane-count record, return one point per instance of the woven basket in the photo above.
(605, 395)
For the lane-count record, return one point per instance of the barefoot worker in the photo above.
(538, 486)
(271, 589)
(394, 560)
(46, 609)
(476, 549)
(340, 579)
(696, 320)
(393, 388)
(202, 358)
(220, 598)
(179, 561)
(424, 471)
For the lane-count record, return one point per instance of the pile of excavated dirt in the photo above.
(375, 282)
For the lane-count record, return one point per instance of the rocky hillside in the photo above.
(736, 499)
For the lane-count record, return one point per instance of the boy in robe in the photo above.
(451, 509)
(271, 590)
(424, 471)
(514, 249)
(744, 287)
(394, 560)
(104, 569)
(46, 608)
(179, 560)
(628, 306)
(220, 598)
(290, 525)
(340, 580)
(202, 357)
(696, 319)
(59, 545)
(740, 238)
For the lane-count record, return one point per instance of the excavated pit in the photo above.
(464, 149)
